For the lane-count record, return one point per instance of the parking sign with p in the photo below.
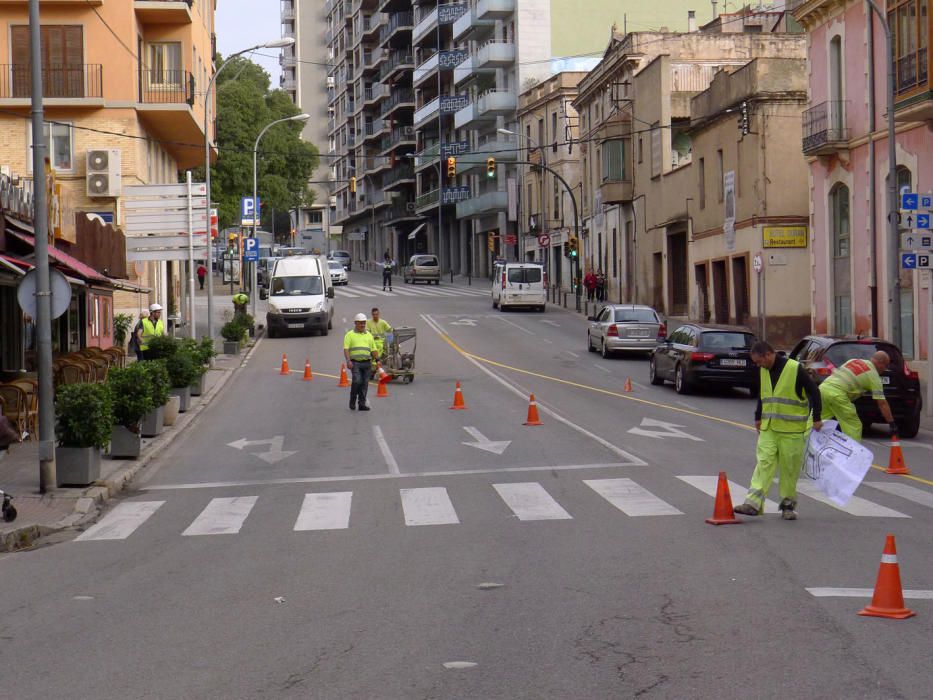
(249, 210)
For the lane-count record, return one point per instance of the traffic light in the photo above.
(491, 243)
(451, 167)
(353, 184)
(490, 167)
(572, 245)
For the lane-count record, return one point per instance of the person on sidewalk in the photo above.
(378, 328)
(387, 264)
(589, 284)
(359, 351)
(136, 339)
(787, 397)
(848, 383)
(202, 273)
(152, 326)
(600, 286)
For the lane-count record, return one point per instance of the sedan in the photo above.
(624, 327)
(696, 355)
(338, 273)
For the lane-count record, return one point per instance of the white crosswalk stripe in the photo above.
(708, 484)
(325, 511)
(529, 501)
(924, 498)
(855, 506)
(631, 498)
(427, 291)
(122, 521)
(222, 516)
(428, 506)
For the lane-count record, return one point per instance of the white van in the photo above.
(519, 284)
(301, 295)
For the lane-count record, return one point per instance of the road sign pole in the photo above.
(192, 332)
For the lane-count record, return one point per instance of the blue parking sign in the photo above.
(926, 201)
(250, 209)
(910, 201)
(251, 249)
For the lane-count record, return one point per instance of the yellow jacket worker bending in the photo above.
(849, 382)
(359, 350)
(378, 327)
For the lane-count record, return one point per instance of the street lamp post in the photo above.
(527, 138)
(293, 118)
(276, 44)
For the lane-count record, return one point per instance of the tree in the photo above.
(245, 105)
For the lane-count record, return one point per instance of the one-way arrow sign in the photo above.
(484, 443)
(272, 455)
(916, 241)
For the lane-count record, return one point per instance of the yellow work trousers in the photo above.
(782, 452)
(836, 404)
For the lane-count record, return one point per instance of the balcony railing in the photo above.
(824, 128)
(288, 10)
(399, 21)
(405, 210)
(400, 134)
(166, 87)
(397, 174)
(401, 96)
(395, 60)
(75, 81)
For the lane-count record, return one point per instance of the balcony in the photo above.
(483, 204)
(163, 11)
(166, 87)
(372, 26)
(464, 71)
(288, 10)
(446, 60)
(494, 54)
(371, 59)
(489, 105)
(398, 24)
(77, 85)
(404, 210)
(164, 105)
(288, 60)
(373, 93)
(426, 25)
(617, 191)
(400, 98)
(373, 165)
(443, 14)
(396, 61)
(400, 135)
(288, 84)
(447, 104)
(469, 23)
(374, 129)
(494, 9)
(824, 129)
(398, 176)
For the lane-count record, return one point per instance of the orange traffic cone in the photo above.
(533, 418)
(343, 376)
(896, 463)
(628, 384)
(888, 598)
(722, 510)
(384, 379)
(284, 369)
(308, 376)
(458, 399)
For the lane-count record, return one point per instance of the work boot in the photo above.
(788, 509)
(364, 407)
(352, 405)
(745, 509)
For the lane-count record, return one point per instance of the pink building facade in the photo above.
(845, 140)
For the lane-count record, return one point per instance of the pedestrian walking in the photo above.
(136, 338)
(589, 284)
(152, 326)
(600, 285)
(202, 273)
(387, 264)
(848, 383)
(787, 399)
(359, 351)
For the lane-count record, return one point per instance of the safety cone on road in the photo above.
(888, 598)
(284, 369)
(458, 399)
(722, 510)
(344, 382)
(896, 463)
(307, 375)
(383, 379)
(628, 384)
(533, 418)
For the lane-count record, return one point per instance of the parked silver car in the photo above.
(619, 327)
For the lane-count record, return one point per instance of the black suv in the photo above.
(820, 354)
(695, 355)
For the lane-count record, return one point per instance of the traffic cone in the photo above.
(628, 384)
(343, 376)
(896, 463)
(722, 510)
(308, 376)
(284, 369)
(533, 418)
(384, 379)
(458, 399)
(888, 598)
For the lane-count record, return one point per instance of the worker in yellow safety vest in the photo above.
(152, 327)
(379, 328)
(359, 350)
(848, 383)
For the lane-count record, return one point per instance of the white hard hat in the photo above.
(360, 317)
(155, 307)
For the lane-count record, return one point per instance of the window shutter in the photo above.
(73, 70)
(19, 40)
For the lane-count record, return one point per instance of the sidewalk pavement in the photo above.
(43, 514)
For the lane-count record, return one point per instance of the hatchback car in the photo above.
(342, 257)
(422, 268)
(696, 355)
(620, 327)
(338, 273)
(821, 354)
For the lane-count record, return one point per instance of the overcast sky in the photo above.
(243, 23)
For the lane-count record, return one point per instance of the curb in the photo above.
(89, 504)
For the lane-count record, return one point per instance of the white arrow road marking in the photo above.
(272, 455)
(484, 443)
(550, 323)
(463, 322)
(667, 430)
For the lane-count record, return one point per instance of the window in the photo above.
(613, 157)
(909, 25)
(524, 275)
(63, 70)
(839, 208)
(722, 176)
(554, 132)
(701, 177)
(556, 199)
(841, 272)
(165, 66)
(59, 144)
(641, 149)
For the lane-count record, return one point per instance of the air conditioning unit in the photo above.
(409, 206)
(103, 172)
(333, 201)
(331, 82)
(408, 130)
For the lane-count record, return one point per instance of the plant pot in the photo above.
(153, 422)
(231, 347)
(124, 443)
(77, 466)
(197, 386)
(184, 395)
(171, 410)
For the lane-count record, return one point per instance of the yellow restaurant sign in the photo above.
(784, 236)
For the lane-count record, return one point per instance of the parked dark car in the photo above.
(695, 356)
(821, 354)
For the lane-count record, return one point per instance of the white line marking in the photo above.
(548, 341)
(325, 511)
(428, 506)
(855, 506)
(633, 460)
(864, 593)
(631, 498)
(386, 452)
(924, 498)
(376, 477)
(512, 323)
(572, 354)
(601, 368)
(687, 405)
(222, 516)
(122, 521)
(377, 291)
(707, 484)
(529, 501)
(345, 293)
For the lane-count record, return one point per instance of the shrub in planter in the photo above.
(83, 415)
(159, 382)
(132, 394)
(161, 347)
(206, 350)
(182, 369)
(232, 331)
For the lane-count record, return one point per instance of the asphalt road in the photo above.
(286, 547)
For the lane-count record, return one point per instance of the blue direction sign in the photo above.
(926, 201)
(910, 201)
(909, 261)
(915, 220)
(251, 249)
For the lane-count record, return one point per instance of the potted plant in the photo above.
(121, 326)
(84, 416)
(232, 333)
(182, 370)
(159, 385)
(161, 347)
(132, 399)
(201, 353)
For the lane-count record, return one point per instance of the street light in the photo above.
(274, 44)
(294, 118)
(528, 137)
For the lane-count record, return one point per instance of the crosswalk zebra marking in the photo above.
(222, 516)
(856, 506)
(707, 484)
(911, 493)
(631, 498)
(122, 521)
(530, 501)
(428, 506)
(325, 511)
